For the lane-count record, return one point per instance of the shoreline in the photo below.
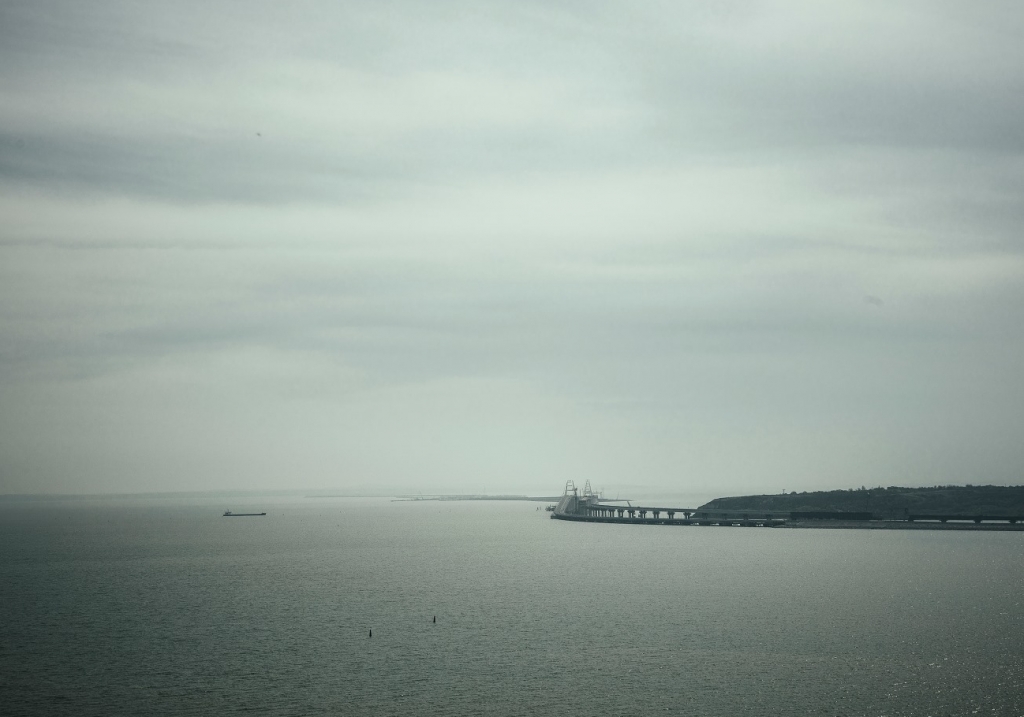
(895, 525)
(796, 524)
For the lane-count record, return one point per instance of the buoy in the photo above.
(371, 633)
(435, 618)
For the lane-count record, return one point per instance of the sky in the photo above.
(485, 247)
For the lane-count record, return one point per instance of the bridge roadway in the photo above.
(942, 518)
(741, 522)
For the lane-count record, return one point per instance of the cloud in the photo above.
(336, 122)
(459, 246)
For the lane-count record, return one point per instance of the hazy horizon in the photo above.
(488, 247)
(667, 497)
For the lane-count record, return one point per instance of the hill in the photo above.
(891, 502)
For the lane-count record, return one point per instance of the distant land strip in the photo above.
(891, 503)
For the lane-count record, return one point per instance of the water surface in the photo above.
(163, 606)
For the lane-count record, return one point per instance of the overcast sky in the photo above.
(403, 246)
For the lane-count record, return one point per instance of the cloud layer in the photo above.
(476, 247)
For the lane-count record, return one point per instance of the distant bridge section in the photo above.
(589, 508)
(1012, 519)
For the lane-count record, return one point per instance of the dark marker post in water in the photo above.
(435, 618)
(371, 633)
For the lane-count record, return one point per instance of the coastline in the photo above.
(895, 525)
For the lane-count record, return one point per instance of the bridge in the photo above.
(1012, 519)
(588, 507)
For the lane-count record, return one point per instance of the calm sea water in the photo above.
(164, 607)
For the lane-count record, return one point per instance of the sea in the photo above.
(360, 606)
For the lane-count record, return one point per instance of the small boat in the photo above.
(229, 514)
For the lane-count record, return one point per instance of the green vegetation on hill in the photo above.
(889, 502)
